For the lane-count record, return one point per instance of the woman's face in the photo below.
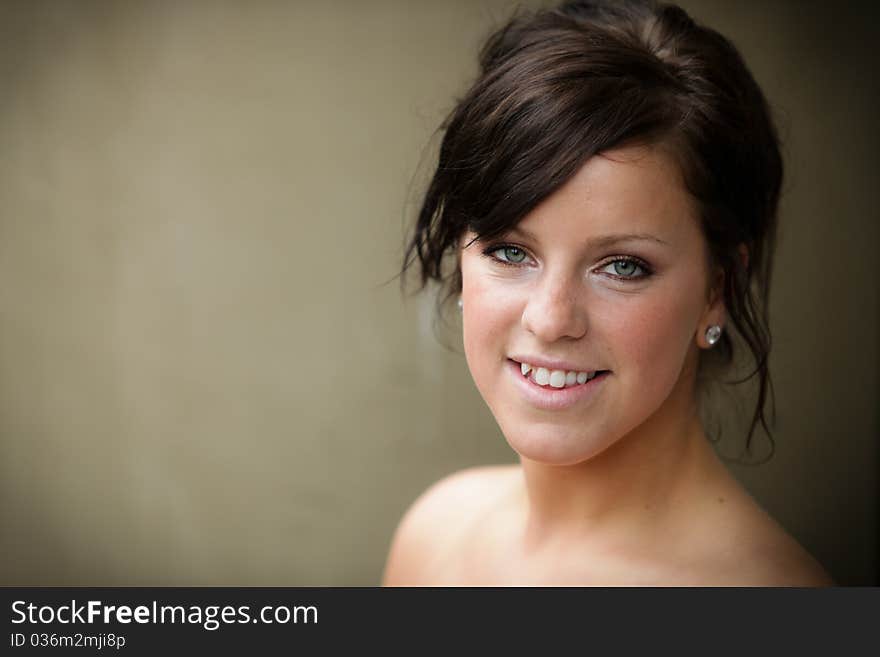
(609, 274)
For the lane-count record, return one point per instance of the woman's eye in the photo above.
(511, 254)
(625, 268)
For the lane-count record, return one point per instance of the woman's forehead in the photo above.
(636, 189)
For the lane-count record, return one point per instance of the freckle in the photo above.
(720, 500)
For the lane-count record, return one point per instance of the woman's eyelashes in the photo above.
(622, 267)
(507, 254)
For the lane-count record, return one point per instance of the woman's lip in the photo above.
(555, 399)
(553, 365)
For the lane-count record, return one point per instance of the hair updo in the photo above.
(558, 86)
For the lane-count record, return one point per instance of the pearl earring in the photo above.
(460, 304)
(713, 333)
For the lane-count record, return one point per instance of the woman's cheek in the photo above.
(651, 341)
(477, 324)
(490, 300)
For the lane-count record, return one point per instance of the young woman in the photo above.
(604, 209)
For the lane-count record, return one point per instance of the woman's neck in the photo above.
(627, 491)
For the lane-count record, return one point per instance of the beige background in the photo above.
(205, 375)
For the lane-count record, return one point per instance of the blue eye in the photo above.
(509, 254)
(624, 268)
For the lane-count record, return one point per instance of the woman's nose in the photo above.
(554, 310)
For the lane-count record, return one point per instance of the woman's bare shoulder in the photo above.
(775, 558)
(750, 548)
(437, 517)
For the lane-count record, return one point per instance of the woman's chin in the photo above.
(558, 450)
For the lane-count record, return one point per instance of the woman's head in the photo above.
(561, 89)
(607, 275)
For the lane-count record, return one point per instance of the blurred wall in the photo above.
(207, 375)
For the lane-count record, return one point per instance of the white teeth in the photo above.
(555, 378)
(542, 376)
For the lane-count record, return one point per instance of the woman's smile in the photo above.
(553, 397)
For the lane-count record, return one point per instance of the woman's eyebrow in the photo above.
(614, 238)
(602, 241)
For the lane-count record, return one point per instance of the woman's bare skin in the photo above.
(467, 530)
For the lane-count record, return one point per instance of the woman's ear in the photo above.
(715, 313)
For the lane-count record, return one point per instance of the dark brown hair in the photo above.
(558, 86)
